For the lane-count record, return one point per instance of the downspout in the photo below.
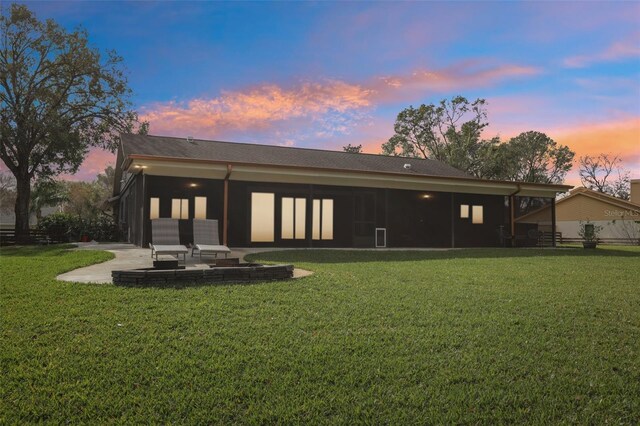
(513, 214)
(225, 212)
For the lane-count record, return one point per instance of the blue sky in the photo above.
(326, 74)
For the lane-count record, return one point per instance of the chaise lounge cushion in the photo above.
(207, 248)
(160, 249)
(166, 238)
(206, 239)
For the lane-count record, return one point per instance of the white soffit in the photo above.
(372, 180)
(175, 169)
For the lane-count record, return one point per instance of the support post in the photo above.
(453, 220)
(225, 208)
(553, 222)
(512, 219)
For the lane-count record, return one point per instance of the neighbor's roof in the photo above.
(246, 153)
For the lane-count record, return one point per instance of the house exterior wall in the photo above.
(584, 208)
(411, 218)
(168, 188)
(635, 191)
(620, 231)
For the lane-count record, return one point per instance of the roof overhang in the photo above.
(164, 166)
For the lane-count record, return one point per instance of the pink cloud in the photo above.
(511, 115)
(256, 108)
(618, 137)
(620, 50)
(333, 105)
(464, 75)
(95, 162)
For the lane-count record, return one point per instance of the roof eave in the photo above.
(521, 186)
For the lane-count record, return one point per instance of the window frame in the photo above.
(293, 217)
(477, 219)
(465, 212)
(195, 206)
(320, 221)
(183, 208)
(151, 208)
(260, 213)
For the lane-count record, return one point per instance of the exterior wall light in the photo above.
(426, 196)
(193, 185)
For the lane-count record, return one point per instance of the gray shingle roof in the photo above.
(162, 146)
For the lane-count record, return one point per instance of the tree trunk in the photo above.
(23, 194)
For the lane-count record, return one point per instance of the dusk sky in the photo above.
(323, 75)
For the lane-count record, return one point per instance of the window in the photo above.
(301, 218)
(293, 218)
(179, 208)
(154, 208)
(200, 208)
(262, 217)
(322, 222)
(477, 215)
(464, 211)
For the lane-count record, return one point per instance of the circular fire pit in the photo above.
(243, 272)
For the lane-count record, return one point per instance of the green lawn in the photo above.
(469, 336)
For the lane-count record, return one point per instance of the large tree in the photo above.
(533, 157)
(449, 132)
(59, 97)
(604, 173)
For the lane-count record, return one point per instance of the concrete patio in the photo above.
(129, 256)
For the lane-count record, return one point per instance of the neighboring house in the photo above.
(273, 196)
(620, 219)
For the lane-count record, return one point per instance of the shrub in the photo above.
(67, 227)
(102, 228)
(589, 231)
(58, 226)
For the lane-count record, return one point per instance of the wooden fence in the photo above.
(36, 236)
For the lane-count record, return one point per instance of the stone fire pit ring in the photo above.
(242, 273)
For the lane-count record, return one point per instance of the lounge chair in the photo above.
(206, 239)
(166, 239)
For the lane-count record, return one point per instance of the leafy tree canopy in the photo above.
(533, 157)
(356, 149)
(47, 192)
(59, 97)
(451, 132)
(448, 132)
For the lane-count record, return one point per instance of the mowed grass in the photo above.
(466, 336)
